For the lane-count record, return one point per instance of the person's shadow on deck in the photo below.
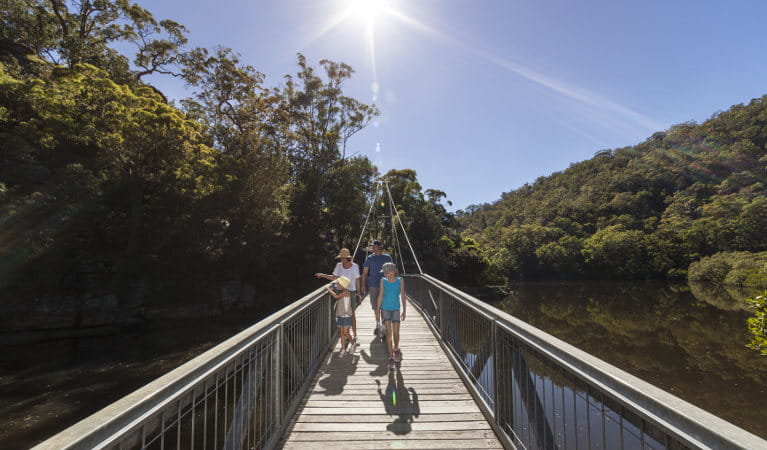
(338, 371)
(400, 401)
(378, 357)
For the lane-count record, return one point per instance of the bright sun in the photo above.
(368, 9)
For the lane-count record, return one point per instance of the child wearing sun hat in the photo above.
(340, 291)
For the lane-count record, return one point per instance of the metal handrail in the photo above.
(540, 392)
(536, 390)
(239, 394)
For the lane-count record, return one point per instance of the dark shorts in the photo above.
(344, 321)
(354, 300)
(390, 316)
(374, 297)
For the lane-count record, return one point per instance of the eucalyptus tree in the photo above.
(238, 113)
(84, 31)
(316, 121)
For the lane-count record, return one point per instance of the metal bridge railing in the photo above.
(541, 393)
(239, 394)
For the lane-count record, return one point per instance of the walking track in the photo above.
(356, 402)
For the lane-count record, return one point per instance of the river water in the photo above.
(48, 385)
(688, 340)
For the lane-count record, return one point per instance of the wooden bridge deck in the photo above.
(351, 405)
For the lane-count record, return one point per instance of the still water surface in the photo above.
(49, 385)
(689, 340)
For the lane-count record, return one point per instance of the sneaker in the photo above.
(392, 364)
(375, 331)
(342, 353)
(351, 349)
(356, 341)
(398, 355)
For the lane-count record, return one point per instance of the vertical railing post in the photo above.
(277, 382)
(497, 397)
(441, 313)
(329, 309)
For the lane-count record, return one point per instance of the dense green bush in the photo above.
(757, 324)
(732, 268)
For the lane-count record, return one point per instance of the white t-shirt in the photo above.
(352, 273)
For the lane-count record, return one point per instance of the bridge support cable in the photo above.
(404, 232)
(395, 235)
(364, 226)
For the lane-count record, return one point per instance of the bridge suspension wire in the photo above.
(395, 236)
(391, 199)
(367, 218)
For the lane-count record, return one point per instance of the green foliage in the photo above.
(98, 169)
(637, 212)
(757, 324)
(77, 32)
(732, 269)
(615, 249)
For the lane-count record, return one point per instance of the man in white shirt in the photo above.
(349, 269)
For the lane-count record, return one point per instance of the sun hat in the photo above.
(388, 267)
(344, 253)
(343, 282)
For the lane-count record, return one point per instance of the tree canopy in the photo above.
(108, 189)
(647, 210)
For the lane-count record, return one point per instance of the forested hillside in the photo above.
(647, 210)
(114, 200)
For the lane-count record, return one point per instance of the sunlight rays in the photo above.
(593, 107)
(329, 26)
(374, 68)
(368, 9)
(365, 11)
(574, 93)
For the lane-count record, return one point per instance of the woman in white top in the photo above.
(346, 267)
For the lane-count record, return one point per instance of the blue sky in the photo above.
(483, 96)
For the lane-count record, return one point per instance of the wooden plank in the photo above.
(354, 391)
(388, 435)
(422, 409)
(366, 397)
(374, 418)
(389, 444)
(345, 408)
(370, 404)
(394, 427)
(410, 382)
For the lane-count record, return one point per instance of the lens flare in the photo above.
(368, 9)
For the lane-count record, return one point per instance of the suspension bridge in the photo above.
(471, 376)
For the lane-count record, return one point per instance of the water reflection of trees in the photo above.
(689, 344)
(723, 297)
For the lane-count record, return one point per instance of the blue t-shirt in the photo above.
(374, 263)
(391, 291)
